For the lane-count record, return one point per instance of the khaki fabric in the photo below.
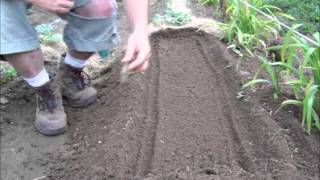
(84, 34)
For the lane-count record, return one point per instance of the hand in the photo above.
(138, 52)
(54, 6)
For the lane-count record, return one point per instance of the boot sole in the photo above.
(87, 103)
(52, 132)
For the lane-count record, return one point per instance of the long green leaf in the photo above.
(252, 82)
(308, 106)
(289, 102)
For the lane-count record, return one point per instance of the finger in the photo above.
(138, 62)
(145, 64)
(61, 10)
(67, 4)
(69, 1)
(130, 55)
(141, 58)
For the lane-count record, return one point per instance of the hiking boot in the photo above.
(50, 117)
(75, 86)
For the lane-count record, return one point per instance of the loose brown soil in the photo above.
(182, 120)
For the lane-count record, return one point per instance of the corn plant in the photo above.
(301, 64)
(247, 29)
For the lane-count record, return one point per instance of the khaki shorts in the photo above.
(85, 34)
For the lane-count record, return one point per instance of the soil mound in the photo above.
(181, 120)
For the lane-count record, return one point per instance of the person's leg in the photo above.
(19, 46)
(94, 9)
(50, 118)
(30, 66)
(27, 64)
(90, 28)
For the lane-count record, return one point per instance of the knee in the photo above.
(104, 10)
(97, 8)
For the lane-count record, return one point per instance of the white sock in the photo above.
(75, 62)
(40, 79)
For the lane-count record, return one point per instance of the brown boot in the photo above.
(50, 117)
(75, 86)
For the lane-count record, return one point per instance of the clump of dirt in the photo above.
(182, 120)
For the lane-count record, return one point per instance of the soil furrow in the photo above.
(146, 152)
(223, 94)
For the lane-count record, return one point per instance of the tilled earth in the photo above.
(182, 120)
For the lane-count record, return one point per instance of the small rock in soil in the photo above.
(4, 100)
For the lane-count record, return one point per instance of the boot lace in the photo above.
(81, 79)
(47, 99)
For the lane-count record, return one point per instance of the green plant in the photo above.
(8, 73)
(300, 63)
(246, 28)
(172, 16)
(47, 34)
(306, 12)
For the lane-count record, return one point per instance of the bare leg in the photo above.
(28, 64)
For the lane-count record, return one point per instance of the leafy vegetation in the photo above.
(247, 29)
(47, 35)
(298, 67)
(7, 74)
(301, 75)
(306, 12)
(172, 16)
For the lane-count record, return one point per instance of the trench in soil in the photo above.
(181, 120)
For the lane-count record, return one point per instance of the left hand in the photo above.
(138, 52)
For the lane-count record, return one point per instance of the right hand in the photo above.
(54, 6)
